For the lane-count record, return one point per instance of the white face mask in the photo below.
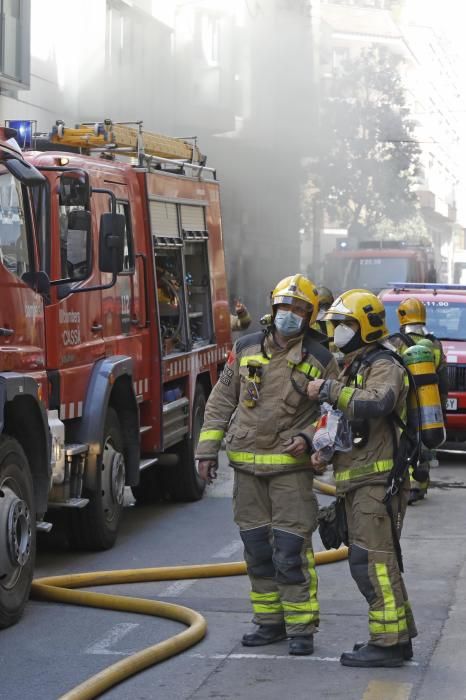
(321, 313)
(343, 335)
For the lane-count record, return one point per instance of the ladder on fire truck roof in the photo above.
(127, 138)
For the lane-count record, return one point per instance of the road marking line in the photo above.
(178, 587)
(115, 634)
(290, 657)
(267, 657)
(385, 689)
(174, 589)
(229, 550)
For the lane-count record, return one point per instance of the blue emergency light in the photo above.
(24, 129)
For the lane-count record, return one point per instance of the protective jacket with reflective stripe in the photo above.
(367, 393)
(256, 437)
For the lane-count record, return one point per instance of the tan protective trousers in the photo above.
(373, 563)
(277, 516)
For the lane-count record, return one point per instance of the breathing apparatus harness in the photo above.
(406, 450)
(408, 340)
(255, 369)
(309, 344)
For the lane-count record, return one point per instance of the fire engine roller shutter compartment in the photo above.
(183, 291)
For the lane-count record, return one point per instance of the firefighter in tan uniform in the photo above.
(260, 403)
(412, 319)
(371, 390)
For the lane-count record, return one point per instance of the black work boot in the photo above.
(415, 495)
(406, 649)
(301, 646)
(264, 634)
(371, 656)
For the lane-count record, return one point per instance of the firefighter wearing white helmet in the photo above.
(371, 390)
(261, 407)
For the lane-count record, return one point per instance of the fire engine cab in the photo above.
(114, 327)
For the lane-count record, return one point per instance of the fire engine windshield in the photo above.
(14, 252)
(375, 273)
(445, 319)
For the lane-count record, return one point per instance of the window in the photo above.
(210, 34)
(375, 273)
(75, 235)
(445, 319)
(40, 197)
(128, 260)
(15, 42)
(340, 56)
(171, 299)
(198, 287)
(15, 253)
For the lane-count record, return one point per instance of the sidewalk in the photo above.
(445, 675)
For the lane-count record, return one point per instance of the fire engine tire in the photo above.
(149, 489)
(95, 527)
(18, 530)
(183, 481)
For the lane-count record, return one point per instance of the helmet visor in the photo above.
(332, 316)
(293, 301)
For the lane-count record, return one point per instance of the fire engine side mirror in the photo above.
(74, 190)
(24, 172)
(112, 242)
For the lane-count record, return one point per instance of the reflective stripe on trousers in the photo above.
(392, 619)
(308, 611)
(295, 613)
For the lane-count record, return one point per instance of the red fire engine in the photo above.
(114, 326)
(377, 263)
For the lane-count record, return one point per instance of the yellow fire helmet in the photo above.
(326, 297)
(411, 310)
(364, 307)
(297, 288)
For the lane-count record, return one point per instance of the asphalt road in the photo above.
(55, 647)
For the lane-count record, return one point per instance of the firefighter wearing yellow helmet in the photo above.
(412, 319)
(326, 299)
(371, 391)
(260, 406)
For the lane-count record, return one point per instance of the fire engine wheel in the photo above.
(183, 480)
(96, 526)
(18, 531)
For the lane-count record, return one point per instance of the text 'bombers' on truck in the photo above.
(114, 327)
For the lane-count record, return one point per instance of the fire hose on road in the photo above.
(59, 589)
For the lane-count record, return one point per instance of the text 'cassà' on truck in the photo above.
(114, 327)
